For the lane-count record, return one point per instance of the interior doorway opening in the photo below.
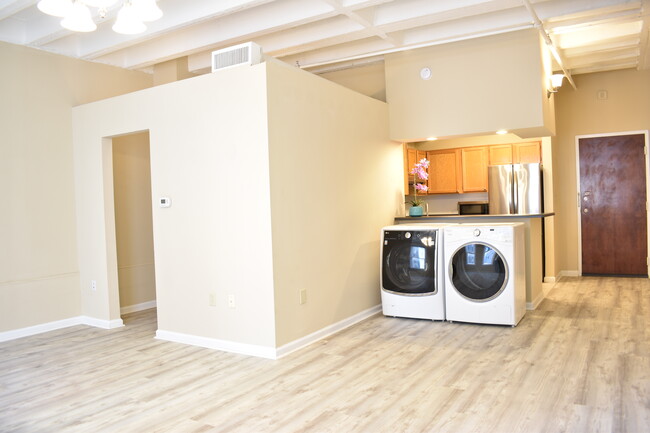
(133, 222)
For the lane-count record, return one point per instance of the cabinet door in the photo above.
(500, 154)
(412, 157)
(444, 171)
(527, 153)
(475, 162)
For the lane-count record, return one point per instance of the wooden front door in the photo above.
(613, 205)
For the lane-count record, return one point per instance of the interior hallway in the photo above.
(580, 362)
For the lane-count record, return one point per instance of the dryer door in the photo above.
(409, 262)
(478, 272)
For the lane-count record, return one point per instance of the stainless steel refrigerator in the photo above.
(515, 189)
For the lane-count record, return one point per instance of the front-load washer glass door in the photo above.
(409, 262)
(478, 272)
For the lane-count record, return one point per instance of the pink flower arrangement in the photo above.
(419, 171)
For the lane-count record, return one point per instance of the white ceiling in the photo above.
(590, 35)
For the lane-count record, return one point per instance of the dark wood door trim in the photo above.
(646, 163)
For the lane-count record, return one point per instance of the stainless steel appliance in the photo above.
(515, 189)
(472, 207)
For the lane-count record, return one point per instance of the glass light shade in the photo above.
(128, 22)
(57, 8)
(556, 80)
(147, 10)
(101, 4)
(79, 19)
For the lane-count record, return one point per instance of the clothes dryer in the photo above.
(411, 271)
(485, 280)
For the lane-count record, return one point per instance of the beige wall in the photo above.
(336, 179)
(580, 112)
(171, 70)
(326, 155)
(368, 80)
(39, 279)
(133, 222)
(478, 86)
(209, 155)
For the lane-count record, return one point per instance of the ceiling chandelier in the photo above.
(77, 16)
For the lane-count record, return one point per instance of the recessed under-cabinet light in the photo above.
(502, 132)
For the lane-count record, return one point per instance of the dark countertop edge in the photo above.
(456, 216)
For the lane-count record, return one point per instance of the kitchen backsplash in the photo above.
(448, 203)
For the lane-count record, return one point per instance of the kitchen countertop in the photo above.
(486, 216)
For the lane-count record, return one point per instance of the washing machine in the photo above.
(411, 271)
(485, 280)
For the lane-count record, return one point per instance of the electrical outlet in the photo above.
(212, 299)
(303, 296)
(231, 301)
(93, 285)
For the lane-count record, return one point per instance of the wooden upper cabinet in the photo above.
(474, 163)
(500, 154)
(444, 171)
(527, 153)
(411, 157)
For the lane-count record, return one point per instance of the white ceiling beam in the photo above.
(473, 26)
(229, 30)
(570, 25)
(11, 7)
(605, 68)
(342, 52)
(397, 11)
(554, 11)
(597, 34)
(549, 43)
(505, 20)
(628, 55)
(644, 44)
(607, 45)
(594, 12)
(363, 19)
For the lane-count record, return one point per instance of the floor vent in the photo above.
(243, 54)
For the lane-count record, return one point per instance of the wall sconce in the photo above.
(556, 83)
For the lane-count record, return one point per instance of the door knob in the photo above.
(585, 210)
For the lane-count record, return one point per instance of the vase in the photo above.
(415, 211)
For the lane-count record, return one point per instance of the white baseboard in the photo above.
(214, 343)
(100, 323)
(39, 329)
(326, 332)
(59, 324)
(550, 279)
(569, 274)
(138, 307)
(535, 302)
(265, 351)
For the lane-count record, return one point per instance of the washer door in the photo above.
(409, 264)
(478, 272)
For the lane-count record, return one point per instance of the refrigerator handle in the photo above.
(514, 209)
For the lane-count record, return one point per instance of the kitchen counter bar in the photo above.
(472, 218)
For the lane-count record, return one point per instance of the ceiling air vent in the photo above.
(243, 54)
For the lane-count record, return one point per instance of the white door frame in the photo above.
(647, 187)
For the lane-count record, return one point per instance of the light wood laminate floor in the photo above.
(579, 363)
